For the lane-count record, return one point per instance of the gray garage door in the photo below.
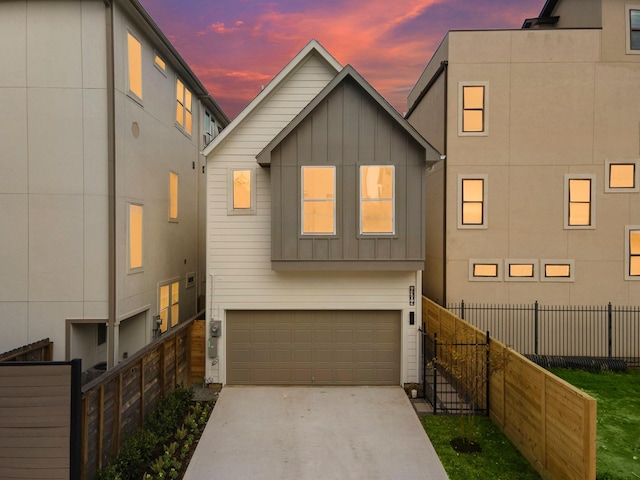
(313, 347)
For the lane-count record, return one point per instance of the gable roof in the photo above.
(312, 48)
(432, 155)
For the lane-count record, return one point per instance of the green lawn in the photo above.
(618, 435)
(499, 459)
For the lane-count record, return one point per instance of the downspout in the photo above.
(111, 182)
(445, 65)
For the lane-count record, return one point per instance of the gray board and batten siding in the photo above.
(347, 126)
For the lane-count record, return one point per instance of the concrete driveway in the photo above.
(314, 433)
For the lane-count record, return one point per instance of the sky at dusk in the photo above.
(237, 46)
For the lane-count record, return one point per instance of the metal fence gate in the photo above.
(455, 376)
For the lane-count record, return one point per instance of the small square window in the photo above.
(621, 177)
(241, 198)
(473, 111)
(160, 64)
(521, 270)
(580, 201)
(557, 270)
(485, 270)
(472, 201)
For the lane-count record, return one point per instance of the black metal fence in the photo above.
(578, 331)
(455, 375)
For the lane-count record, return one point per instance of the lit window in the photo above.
(557, 270)
(135, 65)
(473, 108)
(318, 200)
(183, 106)
(521, 270)
(485, 270)
(633, 29)
(173, 196)
(621, 177)
(632, 247)
(135, 237)
(169, 305)
(579, 201)
(376, 199)
(160, 64)
(242, 191)
(472, 195)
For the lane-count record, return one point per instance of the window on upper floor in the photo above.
(579, 201)
(557, 270)
(632, 252)
(135, 237)
(173, 197)
(134, 51)
(377, 199)
(621, 177)
(211, 128)
(318, 200)
(183, 106)
(472, 201)
(241, 199)
(485, 270)
(472, 114)
(160, 64)
(633, 29)
(169, 305)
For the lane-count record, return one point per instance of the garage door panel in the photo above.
(313, 347)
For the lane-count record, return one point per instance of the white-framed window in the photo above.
(579, 201)
(557, 270)
(377, 199)
(160, 64)
(632, 21)
(173, 197)
(473, 111)
(211, 127)
(632, 252)
(472, 201)
(134, 74)
(517, 270)
(318, 198)
(184, 101)
(169, 305)
(621, 177)
(485, 270)
(134, 237)
(241, 197)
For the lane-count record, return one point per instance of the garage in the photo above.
(313, 347)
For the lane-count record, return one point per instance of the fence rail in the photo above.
(41, 351)
(606, 331)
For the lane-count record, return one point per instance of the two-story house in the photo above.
(102, 184)
(316, 234)
(539, 195)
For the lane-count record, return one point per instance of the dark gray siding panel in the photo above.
(346, 130)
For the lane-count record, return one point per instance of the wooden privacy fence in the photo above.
(41, 351)
(114, 405)
(40, 420)
(552, 423)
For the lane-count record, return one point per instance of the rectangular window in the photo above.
(485, 270)
(242, 191)
(557, 270)
(472, 201)
(318, 200)
(173, 196)
(135, 237)
(102, 333)
(633, 28)
(134, 49)
(160, 64)
(632, 247)
(472, 115)
(183, 106)
(377, 199)
(580, 201)
(211, 129)
(521, 270)
(621, 177)
(169, 305)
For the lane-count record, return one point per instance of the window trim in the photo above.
(569, 263)
(592, 213)
(485, 201)
(302, 202)
(627, 252)
(177, 199)
(607, 174)
(182, 126)
(393, 203)
(137, 269)
(485, 109)
(525, 261)
(208, 136)
(253, 193)
(484, 261)
(130, 92)
(627, 11)
(169, 283)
